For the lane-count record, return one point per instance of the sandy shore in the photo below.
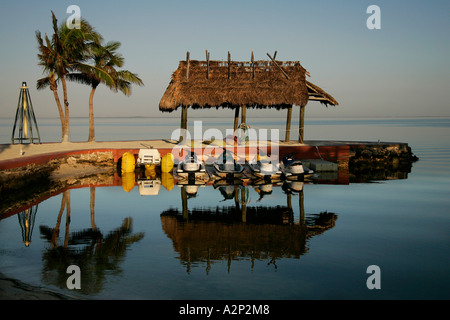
(12, 289)
(14, 151)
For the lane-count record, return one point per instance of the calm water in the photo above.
(244, 244)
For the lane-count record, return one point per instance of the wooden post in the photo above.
(289, 201)
(244, 205)
(184, 204)
(229, 65)
(244, 114)
(207, 64)
(275, 55)
(302, 207)
(187, 65)
(183, 121)
(301, 125)
(253, 66)
(288, 124)
(236, 118)
(276, 64)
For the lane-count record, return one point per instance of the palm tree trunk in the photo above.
(92, 206)
(91, 115)
(66, 236)
(61, 112)
(65, 137)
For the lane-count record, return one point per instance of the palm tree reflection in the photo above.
(96, 254)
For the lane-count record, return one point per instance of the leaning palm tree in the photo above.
(65, 51)
(105, 61)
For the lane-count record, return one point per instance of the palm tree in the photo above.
(67, 50)
(105, 61)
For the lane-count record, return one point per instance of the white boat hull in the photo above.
(194, 170)
(226, 169)
(295, 168)
(265, 169)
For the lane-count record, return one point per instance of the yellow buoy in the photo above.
(150, 171)
(167, 180)
(128, 181)
(128, 162)
(167, 163)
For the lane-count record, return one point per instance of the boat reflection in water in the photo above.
(233, 230)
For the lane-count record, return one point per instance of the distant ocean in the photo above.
(143, 128)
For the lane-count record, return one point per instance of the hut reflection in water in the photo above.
(203, 236)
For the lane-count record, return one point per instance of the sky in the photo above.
(400, 70)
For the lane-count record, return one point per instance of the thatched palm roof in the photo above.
(230, 84)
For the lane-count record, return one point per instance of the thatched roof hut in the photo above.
(240, 85)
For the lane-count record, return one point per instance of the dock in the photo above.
(19, 155)
(33, 160)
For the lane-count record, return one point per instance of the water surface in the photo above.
(242, 243)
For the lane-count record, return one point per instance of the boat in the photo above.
(149, 187)
(147, 157)
(292, 187)
(191, 167)
(291, 167)
(191, 163)
(225, 166)
(265, 168)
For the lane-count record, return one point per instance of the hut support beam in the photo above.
(302, 207)
(244, 114)
(236, 118)
(183, 122)
(288, 124)
(301, 125)
(184, 204)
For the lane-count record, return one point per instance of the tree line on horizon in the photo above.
(80, 55)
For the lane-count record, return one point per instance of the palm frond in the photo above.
(43, 83)
(82, 78)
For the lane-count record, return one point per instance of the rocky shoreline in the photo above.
(19, 186)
